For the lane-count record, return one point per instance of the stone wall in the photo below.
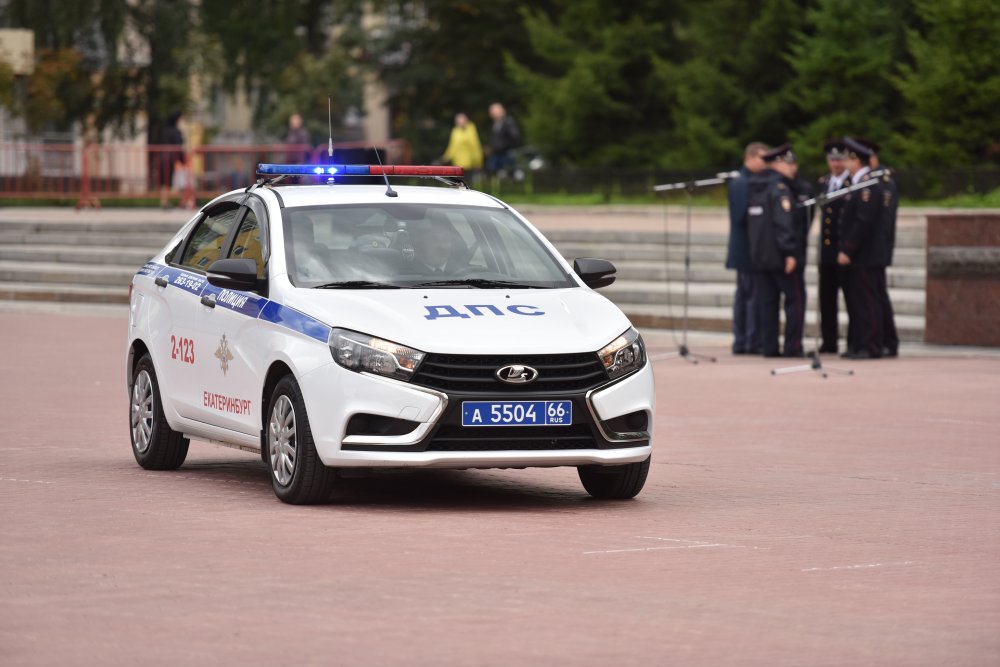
(963, 279)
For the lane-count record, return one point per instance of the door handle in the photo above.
(160, 281)
(208, 300)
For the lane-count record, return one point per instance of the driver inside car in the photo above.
(436, 247)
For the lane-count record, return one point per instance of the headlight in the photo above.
(362, 353)
(624, 354)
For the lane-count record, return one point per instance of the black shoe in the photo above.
(828, 349)
(796, 355)
(889, 352)
(772, 354)
(860, 354)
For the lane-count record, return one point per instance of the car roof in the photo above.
(320, 195)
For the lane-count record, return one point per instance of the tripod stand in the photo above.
(689, 187)
(815, 364)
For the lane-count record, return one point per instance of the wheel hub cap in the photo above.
(281, 440)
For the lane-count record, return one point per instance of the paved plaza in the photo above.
(786, 521)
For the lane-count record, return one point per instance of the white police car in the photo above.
(331, 326)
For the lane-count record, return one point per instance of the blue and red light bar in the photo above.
(358, 170)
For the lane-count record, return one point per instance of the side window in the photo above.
(248, 242)
(206, 241)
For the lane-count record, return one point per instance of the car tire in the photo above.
(155, 445)
(619, 482)
(298, 476)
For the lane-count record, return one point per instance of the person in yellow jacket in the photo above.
(464, 149)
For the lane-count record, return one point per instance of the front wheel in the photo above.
(298, 476)
(614, 482)
(155, 445)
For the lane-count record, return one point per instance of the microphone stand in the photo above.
(688, 186)
(815, 364)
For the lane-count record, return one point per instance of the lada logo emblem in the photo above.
(517, 374)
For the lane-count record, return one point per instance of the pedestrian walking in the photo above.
(505, 136)
(297, 142)
(464, 149)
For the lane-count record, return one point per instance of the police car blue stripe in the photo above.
(189, 282)
(294, 320)
(240, 302)
(148, 269)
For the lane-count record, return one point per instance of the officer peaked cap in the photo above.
(835, 149)
(857, 149)
(868, 143)
(782, 152)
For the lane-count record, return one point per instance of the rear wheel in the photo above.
(155, 445)
(614, 482)
(298, 476)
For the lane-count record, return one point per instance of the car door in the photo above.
(227, 322)
(183, 343)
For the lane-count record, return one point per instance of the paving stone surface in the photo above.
(786, 521)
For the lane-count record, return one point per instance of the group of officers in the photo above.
(771, 211)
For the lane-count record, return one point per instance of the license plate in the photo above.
(517, 413)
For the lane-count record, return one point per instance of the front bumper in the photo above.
(438, 439)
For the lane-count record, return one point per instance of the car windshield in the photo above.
(393, 245)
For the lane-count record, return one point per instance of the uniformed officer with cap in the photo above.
(890, 204)
(774, 244)
(863, 244)
(832, 278)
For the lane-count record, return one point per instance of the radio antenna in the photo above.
(329, 120)
(389, 192)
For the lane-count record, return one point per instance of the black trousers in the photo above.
(891, 337)
(866, 297)
(832, 278)
(771, 287)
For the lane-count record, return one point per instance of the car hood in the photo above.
(471, 321)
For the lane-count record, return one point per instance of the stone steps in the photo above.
(92, 262)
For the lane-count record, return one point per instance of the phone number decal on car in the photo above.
(517, 413)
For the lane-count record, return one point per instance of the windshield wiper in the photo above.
(357, 284)
(477, 282)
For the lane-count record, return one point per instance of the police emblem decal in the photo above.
(786, 204)
(224, 355)
(516, 374)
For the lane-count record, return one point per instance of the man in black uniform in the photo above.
(773, 246)
(890, 204)
(863, 244)
(831, 275)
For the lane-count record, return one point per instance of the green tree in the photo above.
(283, 55)
(8, 81)
(843, 63)
(733, 84)
(597, 97)
(952, 87)
(56, 89)
(438, 57)
(129, 76)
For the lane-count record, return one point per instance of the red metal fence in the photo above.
(89, 173)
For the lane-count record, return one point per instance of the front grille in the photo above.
(477, 373)
(511, 438)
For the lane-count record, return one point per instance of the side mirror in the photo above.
(594, 272)
(235, 274)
